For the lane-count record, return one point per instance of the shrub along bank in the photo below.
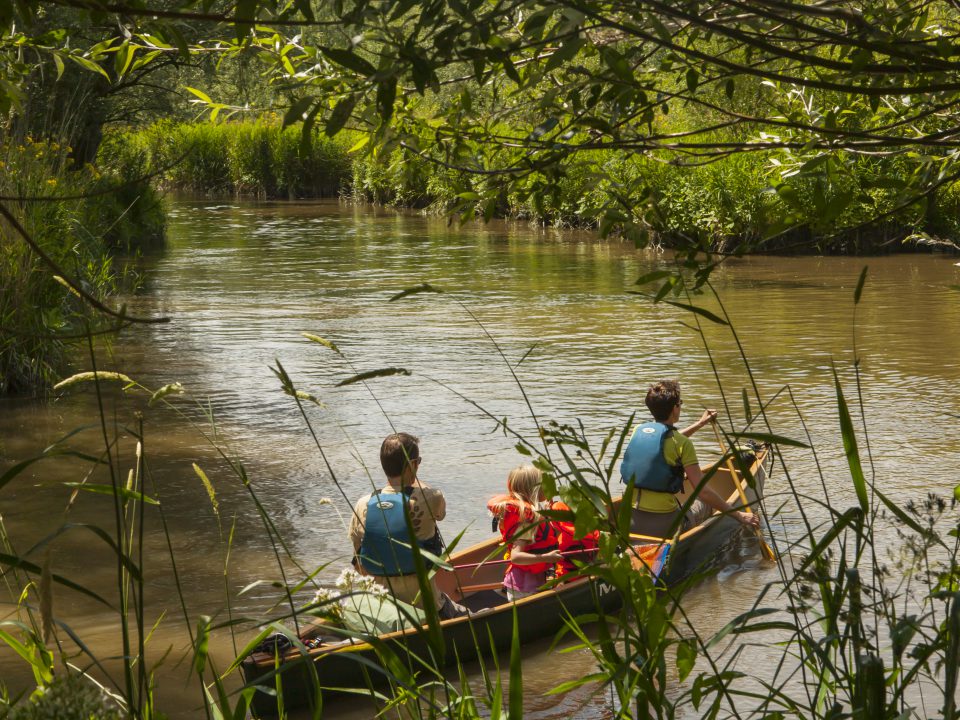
(732, 204)
(258, 159)
(83, 219)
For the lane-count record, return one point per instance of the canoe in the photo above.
(344, 664)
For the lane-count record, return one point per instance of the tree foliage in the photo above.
(844, 101)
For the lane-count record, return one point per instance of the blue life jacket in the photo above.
(385, 547)
(644, 464)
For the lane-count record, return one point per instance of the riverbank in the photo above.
(88, 221)
(730, 205)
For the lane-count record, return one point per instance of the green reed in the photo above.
(857, 637)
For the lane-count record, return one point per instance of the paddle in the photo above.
(651, 558)
(764, 548)
(467, 566)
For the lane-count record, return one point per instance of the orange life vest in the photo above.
(512, 520)
(568, 543)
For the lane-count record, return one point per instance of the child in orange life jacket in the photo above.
(532, 544)
(569, 545)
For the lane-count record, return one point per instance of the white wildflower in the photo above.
(350, 581)
(328, 604)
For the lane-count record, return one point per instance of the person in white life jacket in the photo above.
(382, 520)
(661, 461)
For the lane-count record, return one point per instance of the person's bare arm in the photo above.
(694, 476)
(520, 556)
(707, 417)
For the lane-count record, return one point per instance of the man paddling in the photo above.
(661, 461)
(379, 530)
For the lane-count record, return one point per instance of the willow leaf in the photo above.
(699, 311)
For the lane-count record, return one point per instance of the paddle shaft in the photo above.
(467, 566)
(764, 548)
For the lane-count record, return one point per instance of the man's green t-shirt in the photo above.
(678, 449)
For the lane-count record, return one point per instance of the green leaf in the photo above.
(860, 282)
(88, 64)
(124, 58)
(790, 196)
(349, 60)
(202, 644)
(565, 53)
(543, 128)
(200, 94)
(384, 372)
(850, 447)
(297, 111)
(386, 97)
(686, 658)
(771, 438)
(359, 144)
(699, 311)
(653, 277)
(120, 492)
(341, 113)
(515, 702)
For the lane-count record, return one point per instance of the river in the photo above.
(241, 282)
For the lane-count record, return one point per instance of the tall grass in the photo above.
(248, 158)
(101, 216)
(856, 637)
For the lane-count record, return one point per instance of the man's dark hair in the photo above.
(396, 451)
(662, 397)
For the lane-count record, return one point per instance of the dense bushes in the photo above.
(734, 203)
(115, 212)
(257, 158)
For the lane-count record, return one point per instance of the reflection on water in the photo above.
(242, 282)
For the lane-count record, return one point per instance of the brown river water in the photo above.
(241, 282)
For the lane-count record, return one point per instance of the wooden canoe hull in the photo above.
(354, 665)
(539, 616)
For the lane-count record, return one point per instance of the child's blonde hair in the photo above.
(523, 491)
